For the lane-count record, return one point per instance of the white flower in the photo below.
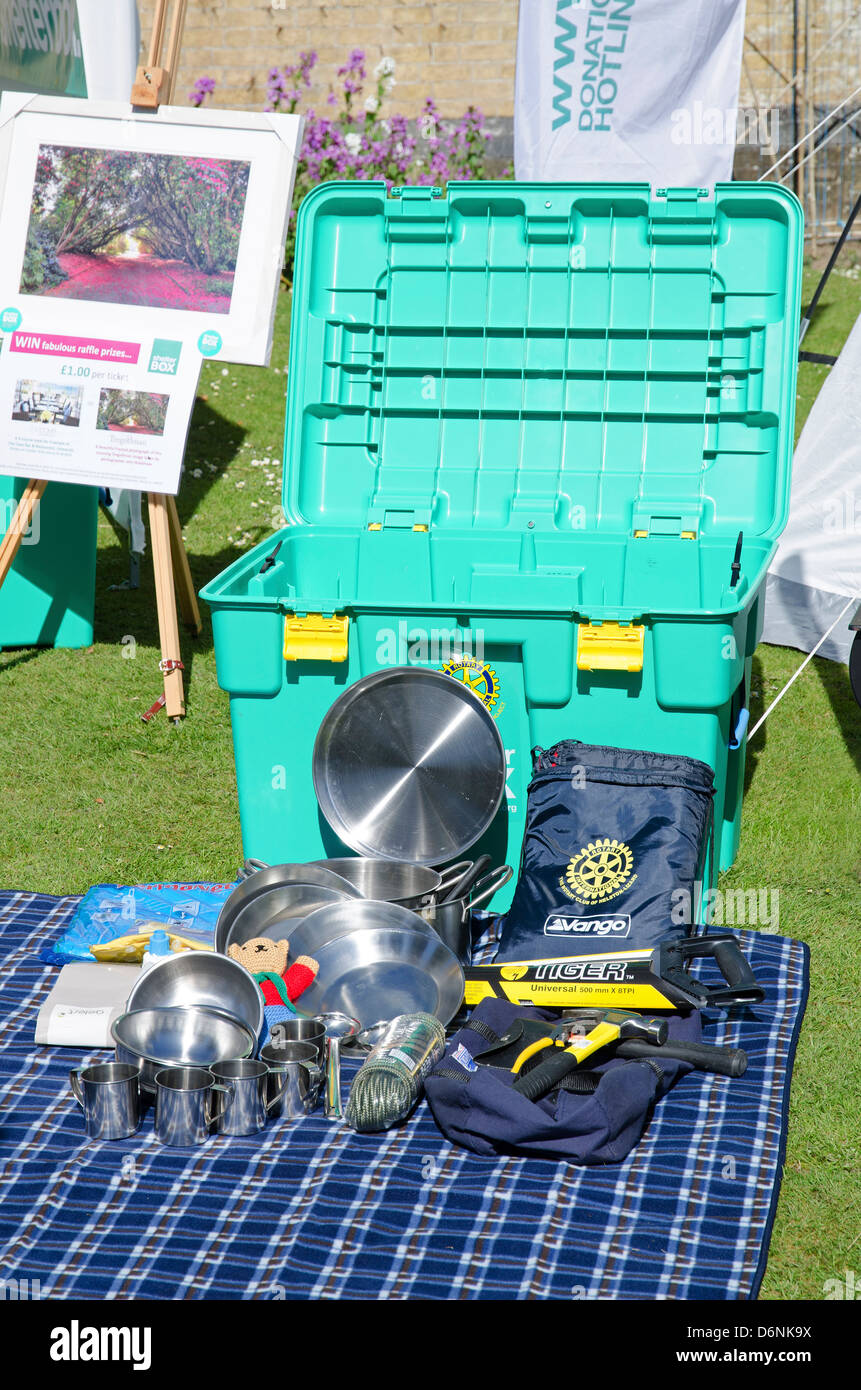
(371, 105)
(385, 67)
(352, 141)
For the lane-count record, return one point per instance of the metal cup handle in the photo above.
(219, 1110)
(315, 1079)
(75, 1084)
(279, 1094)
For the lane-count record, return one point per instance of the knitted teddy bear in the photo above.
(267, 962)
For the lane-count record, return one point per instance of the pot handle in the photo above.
(450, 876)
(220, 1109)
(251, 866)
(75, 1084)
(490, 884)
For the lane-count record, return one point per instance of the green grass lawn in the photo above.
(91, 794)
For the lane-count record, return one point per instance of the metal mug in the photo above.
(295, 1080)
(302, 1030)
(109, 1095)
(183, 1109)
(249, 1082)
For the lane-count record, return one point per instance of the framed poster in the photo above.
(173, 220)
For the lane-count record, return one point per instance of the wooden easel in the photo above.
(153, 83)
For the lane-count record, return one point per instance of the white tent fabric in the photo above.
(110, 39)
(818, 564)
(628, 90)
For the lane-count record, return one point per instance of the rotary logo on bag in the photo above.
(481, 679)
(601, 871)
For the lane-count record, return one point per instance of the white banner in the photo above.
(110, 38)
(818, 564)
(628, 90)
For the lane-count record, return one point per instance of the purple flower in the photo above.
(203, 88)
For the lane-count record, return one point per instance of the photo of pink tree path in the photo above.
(160, 231)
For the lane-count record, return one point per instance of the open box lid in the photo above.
(584, 357)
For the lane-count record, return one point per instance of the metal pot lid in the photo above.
(409, 764)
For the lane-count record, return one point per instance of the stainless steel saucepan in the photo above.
(452, 921)
(395, 881)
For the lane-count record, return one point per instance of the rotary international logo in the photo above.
(601, 871)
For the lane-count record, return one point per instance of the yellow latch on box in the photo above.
(315, 638)
(610, 647)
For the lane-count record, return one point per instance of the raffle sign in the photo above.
(95, 407)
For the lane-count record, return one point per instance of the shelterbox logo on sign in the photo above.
(165, 356)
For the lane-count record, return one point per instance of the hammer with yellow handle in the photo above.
(615, 1025)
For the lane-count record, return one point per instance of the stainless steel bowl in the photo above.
(156, 1038)
(203, 978)
(408, 764)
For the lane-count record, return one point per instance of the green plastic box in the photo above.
(526, 424)
(49, 593)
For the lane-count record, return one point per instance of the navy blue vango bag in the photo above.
(614, 842)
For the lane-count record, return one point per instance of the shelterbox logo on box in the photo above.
(165, 356)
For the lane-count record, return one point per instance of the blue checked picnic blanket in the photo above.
(313, 1210)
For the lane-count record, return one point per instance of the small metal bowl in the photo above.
(203, 978)
(195, 1037)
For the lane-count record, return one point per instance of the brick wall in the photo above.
(458, 51)
(463, 51)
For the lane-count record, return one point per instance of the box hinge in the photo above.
(399, 519)
(417, 215)
(683, 204)
(315, 637)
(676, 520)
(682, 215)
(416, 192)
(610, 646)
